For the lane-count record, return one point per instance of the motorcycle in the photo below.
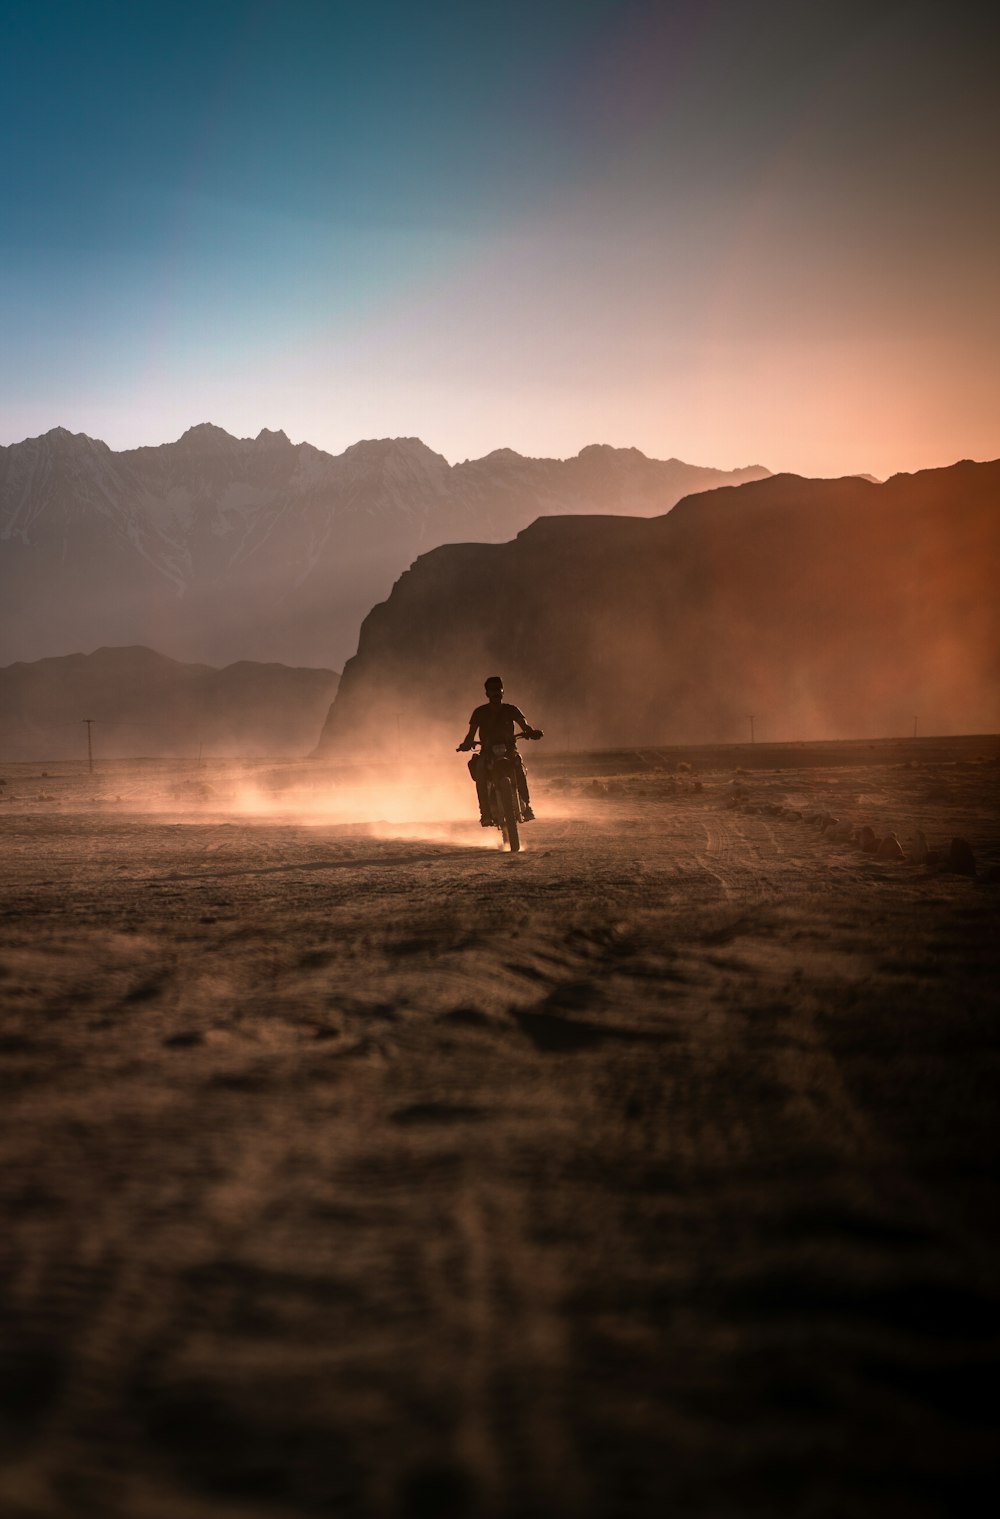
(501, 786)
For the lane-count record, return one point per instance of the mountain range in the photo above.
(142, 703)
(215, 548)
(823, 608)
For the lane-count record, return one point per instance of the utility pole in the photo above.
(750, 715)
(914, 727)
(90, 747)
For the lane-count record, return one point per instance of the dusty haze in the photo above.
(218, 549)
(822, 609)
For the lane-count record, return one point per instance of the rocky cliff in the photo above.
(825, 608)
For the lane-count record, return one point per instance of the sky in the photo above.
(726, 231)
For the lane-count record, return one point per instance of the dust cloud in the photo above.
(434, 800)
(387, 802)
(817, 610)
(418, 804)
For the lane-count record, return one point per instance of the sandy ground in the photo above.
(353, 1167)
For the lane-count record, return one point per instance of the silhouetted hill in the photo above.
(824, 607)
(224, 548)
(145, 704)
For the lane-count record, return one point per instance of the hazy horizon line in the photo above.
(280, 432)
(627, 448)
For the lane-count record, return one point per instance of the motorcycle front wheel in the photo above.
(508, 813)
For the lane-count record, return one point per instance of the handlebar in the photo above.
(477, 743)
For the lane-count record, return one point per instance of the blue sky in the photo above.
(758, 232)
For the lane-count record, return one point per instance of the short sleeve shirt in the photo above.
(496, 723)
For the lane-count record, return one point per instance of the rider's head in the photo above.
(494, 688)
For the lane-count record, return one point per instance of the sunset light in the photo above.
(499, 759)
(728, 233)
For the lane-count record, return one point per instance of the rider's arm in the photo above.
(528, 729)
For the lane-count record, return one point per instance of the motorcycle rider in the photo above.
(495, 721)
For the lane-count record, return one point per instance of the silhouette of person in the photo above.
(495, 721)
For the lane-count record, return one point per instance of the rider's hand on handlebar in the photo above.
(463, 747)
(534, 732)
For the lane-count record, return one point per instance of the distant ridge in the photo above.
(826, 608)
(145, 704)
(220, 548)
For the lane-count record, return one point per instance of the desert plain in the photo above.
(352, 1166)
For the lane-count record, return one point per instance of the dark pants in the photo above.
(477, 771)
